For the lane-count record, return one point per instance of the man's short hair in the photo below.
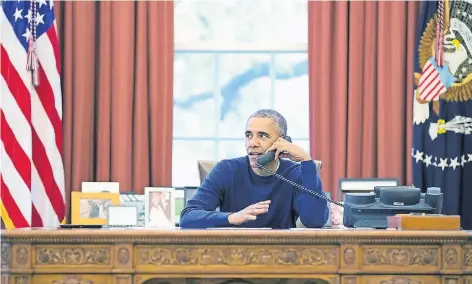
(279, 120)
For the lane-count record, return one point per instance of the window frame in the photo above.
(216, 92)
(219, 48)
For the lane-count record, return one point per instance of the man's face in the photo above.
(260, 135)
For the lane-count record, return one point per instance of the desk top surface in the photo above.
(236, 236)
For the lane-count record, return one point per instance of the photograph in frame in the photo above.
(90, 208)
(159, 207)
(131, 199)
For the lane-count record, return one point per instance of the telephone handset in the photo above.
(270, 156)
(265, 159)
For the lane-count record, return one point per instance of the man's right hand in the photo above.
(249, 213)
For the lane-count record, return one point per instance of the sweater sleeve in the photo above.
(313, 211)
(200, 211)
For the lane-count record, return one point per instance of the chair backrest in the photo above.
(204, 168)
(319, 165)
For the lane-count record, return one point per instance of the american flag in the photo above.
(32, 171)
(431, 87)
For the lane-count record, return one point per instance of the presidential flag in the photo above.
(32, 172)
(442, 111)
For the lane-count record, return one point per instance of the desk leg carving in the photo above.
(6, 255)
(451, 279)
(468, 258)
(20, 259)
(5, 278)
(123, 256)
(349, 280)
(6, 262)
(21, 256)
(21, 279)
(138, 279)
(452, 258)
(123, 279)
(351, 255)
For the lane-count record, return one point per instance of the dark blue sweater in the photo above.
(232, 185)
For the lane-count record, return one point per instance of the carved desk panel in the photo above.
(125, 256)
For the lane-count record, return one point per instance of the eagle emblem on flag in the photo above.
(445, 54)
(445, 59)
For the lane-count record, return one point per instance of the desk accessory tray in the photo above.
(425, 222)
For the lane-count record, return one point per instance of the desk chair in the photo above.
(205, 167)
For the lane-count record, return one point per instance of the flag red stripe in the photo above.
(425, 78)
(52, 34)
(12, 208)
(16, 85)
(427, 86)
(433, 92)
(35, 218)
(41, 161)
(46, 96)
(427, 73)
(428, 67)
(16, 153)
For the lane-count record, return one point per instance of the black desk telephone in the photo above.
(268, 157)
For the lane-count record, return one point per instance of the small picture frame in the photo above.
(137, 200)
(90, 208)
(159, 207)
(123, 216)
(99, 186)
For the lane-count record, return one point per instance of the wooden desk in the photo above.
(213, 256)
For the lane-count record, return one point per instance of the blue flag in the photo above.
(442, 112)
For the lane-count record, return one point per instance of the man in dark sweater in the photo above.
(249, 196)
